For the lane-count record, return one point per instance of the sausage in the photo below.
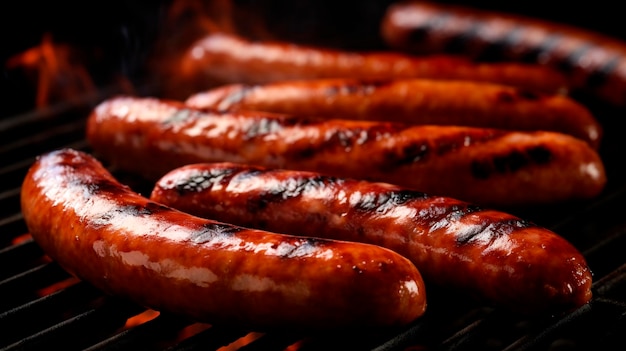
(149, 137)
(490, 255)
(595, 63)
(415, 101)
(221, 58)
(132, 247)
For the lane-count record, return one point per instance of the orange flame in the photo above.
(58, 74)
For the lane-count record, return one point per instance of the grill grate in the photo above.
(42, 305)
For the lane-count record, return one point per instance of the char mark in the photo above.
(511, 162)
(409, 154)
(235, 97)
(343, 140)
(420, 150)
(290, 188)
(203, 180)
(383, 201)
(486, 232)
(212, 231)
(125, 211)
(303, 247)
(442, 216)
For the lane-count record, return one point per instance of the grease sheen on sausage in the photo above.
(414, 101)
(487, 254)
(149, 137)
(221, 58)
(594, 63)
(129, 246)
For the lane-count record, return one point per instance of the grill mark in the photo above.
(180, 115)
(599, 76)
(203, 180)
(383, 201)
(489, 231)
(127, 210)
(511, 162)
(303, 247)
(287, 189)
(235, 97)
(344, 140)
(212, 231)
(262, 127)
(418, 151)
(441, 216)
(460, 42)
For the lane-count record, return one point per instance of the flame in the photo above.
(141, 318)
(57, 69)
(241, 342)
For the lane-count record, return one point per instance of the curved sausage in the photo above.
(221, 58)
(129, 246)
(595, 63)
(415, 101)
(149, 137)
(490, 255)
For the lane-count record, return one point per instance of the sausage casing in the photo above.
(221, 58)
(595, 63)
(484, 253)
(132, 247)
(414, 101)
(149, 137)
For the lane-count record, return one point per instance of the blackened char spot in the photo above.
(488, 231)
(302, 248)
(212, 231)
(442, 217)
(409, 154)
(287, 189)
(539, 155)
(203, 180)
(383, 201)
(599, 76)
(99, 186)
(460, 42)
(235, 97)
(343, 139)
(123, 211)
(481, 169)
(511, 162)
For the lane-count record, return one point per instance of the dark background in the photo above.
(117, 37)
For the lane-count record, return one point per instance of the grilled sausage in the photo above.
(491, 255)
(129, 246)
(595, 63)
(416, 101)
(221, 58)
(148, 136)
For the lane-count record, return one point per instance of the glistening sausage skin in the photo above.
(487, 254)
(149, 137)
(595, 63)
(221, 58)
(414, 101)
(129, 246)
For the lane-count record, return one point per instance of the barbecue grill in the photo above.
(41, 305)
